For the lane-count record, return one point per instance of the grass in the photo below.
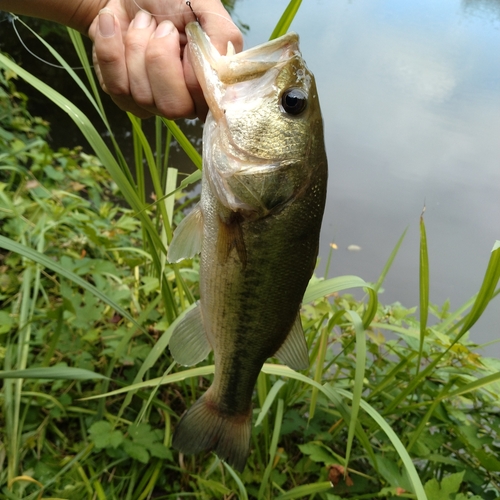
(390, 407)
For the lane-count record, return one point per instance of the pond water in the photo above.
(410, 93)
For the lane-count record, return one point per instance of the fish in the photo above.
(256, 227)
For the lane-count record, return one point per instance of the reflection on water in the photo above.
(410, 93)
(489, 8)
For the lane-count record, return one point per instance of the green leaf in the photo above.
(103, 435)
(136, 451)
(488, 460)
(6, 322)
(449, 485)
(318, 452)
(159, 450)
(214, 486)
(142, 434)
(390, 472)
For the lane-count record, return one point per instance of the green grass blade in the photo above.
(305, 490)
(323, 288)
(45, 261)
(486, 292)
(286, 19)
(358, 379)
(472, 386)
(237, 480)
(389, 262)
(273, 447)
(201, 371)
(318, 372)
(77, 40)
(423, 287)
(52, 373)
(271, 396)
(150, 161)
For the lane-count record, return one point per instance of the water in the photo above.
(410, 93)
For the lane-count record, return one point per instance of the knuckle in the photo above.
(143, 99)
(116, 90)
(174, 110)
(135, 43)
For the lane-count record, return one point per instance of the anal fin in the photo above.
(189, 342)
(293, 351)
(188, 237)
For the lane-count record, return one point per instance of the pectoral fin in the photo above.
(293, 352)
(189, 343)
(188, 237)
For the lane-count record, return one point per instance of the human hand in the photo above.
(140, 57)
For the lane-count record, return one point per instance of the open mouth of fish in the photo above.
(215, 71)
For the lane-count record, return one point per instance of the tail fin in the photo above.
(204, 428)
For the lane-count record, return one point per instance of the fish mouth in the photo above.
(215, 71)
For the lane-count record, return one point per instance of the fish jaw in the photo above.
(253, 151)
(215, 71)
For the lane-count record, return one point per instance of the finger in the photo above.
(110, 55)
(110, 64)
(166, 74)
(221, 29)
(136, 42)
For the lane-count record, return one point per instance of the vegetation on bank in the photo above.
(390, 408)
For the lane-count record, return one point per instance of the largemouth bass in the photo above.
(257, 226)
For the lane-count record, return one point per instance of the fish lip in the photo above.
(214, 71)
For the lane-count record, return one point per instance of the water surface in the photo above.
(410, 93)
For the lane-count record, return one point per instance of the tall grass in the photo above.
(365, 409)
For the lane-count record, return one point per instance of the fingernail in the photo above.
(106, 23)
(164, 28)
(142, 19)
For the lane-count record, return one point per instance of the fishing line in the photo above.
(12, 18)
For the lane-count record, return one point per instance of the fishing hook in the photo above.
(188, 3)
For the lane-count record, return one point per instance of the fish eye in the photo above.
(294, 101)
